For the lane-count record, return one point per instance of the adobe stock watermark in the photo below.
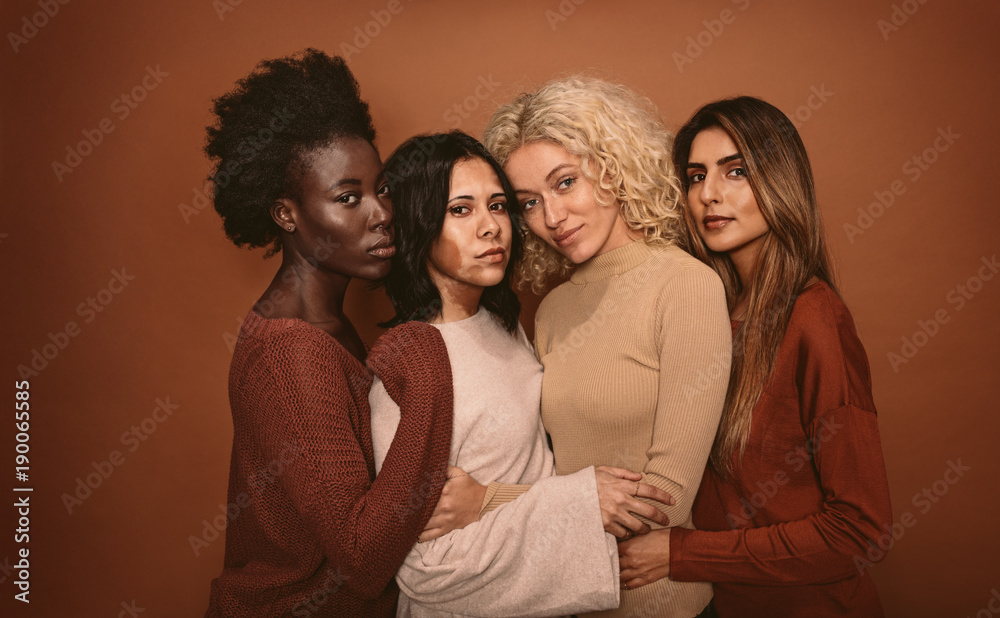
(130, 609)
(247, 148)
(565, 10)
(460, 111)
(796, 458)
(132, 438)
(368, 31)
(256, 484)
(924, 500)
(88, 309)
(122, 107)
(992, 607)
(225, 6)
(333, 582)
(900, 14)
(697, 44)
(958, 297)
(30, 26)
(913, 168)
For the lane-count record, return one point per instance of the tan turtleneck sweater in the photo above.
(636, 348)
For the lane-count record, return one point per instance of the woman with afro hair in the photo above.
(310, 531)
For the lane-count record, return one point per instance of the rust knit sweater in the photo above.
(316, 534)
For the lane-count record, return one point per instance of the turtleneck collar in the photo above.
(612, 263)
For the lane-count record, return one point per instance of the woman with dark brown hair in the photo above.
(796, 492)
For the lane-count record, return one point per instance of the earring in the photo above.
(291, 227)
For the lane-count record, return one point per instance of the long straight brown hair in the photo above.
(792, 253)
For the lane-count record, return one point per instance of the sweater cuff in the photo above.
(498, 494)
(680, 566)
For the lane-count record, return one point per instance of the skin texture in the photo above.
(720, 190)
(473, 248)
(338, 226)
(560, 205)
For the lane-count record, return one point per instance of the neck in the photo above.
(457, 303)
(303, 291)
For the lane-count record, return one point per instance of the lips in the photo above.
(567, 238)
(493, 256)
(383, 249)
(715, 222)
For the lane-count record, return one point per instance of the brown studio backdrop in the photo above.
(870, 84)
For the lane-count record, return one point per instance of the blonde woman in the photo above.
(635, 345)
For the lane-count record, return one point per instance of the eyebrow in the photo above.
(722, 161)
(556, 169)
(469, 197)
(345, 181)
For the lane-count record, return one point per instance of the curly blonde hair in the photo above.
(624, 149)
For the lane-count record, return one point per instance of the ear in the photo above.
(283, 212)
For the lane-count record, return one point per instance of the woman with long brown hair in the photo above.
(796, 491)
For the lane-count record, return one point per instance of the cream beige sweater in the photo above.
(545, 553)
(636, 348)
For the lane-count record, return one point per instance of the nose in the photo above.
(554, 211)
(711, 190)
(381, 214)
(489, 226)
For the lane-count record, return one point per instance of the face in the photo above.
(343, 218)
(559, 203)
(472, 251)
(720, 198)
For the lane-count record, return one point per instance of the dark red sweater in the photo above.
(791, 536)
(319, 535)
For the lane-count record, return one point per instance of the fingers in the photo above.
(654, 493)
(455, 472)
(621, 473)
(633, 583)
(429, 534)
(632, 523)
(649, 512)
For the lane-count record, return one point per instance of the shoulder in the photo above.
(408, 346)
(680, 281)
(290, 358)
(285, 341)
(819, 314)
(831, 357)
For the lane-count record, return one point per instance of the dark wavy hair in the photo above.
(265, 130)
(419, 176)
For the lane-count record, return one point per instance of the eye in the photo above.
(566, 183)
(459, 210)
(349, 198)
(696, 178)
(498, 206)
(738, 172)
(384, 189)
(529, 204)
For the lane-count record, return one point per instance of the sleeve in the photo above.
(544, 554)
(695, 353)
(834, 542)
(498, 494)
(365, 528)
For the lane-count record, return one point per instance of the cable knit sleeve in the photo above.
(365, 528)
